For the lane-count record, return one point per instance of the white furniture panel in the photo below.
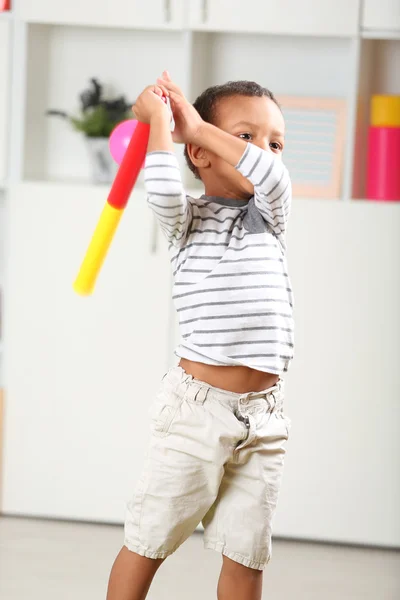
(4, 92)
(152, 14)
(80, 372)
(341, 481)
(381, 15)
(302, 17)
(313, 67)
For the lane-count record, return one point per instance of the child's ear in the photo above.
(198, 156)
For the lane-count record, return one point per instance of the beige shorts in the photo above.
(215, 457)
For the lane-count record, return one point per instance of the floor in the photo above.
(44, 560)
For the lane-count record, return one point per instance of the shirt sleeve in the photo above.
(166, 196)
(272, 186)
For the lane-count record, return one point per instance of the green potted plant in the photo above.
(98, 117)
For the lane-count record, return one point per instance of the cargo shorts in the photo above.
(215, 458)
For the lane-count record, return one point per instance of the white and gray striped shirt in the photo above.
(231, 287)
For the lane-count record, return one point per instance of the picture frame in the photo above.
(314, 144)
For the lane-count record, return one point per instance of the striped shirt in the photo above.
(230, 282)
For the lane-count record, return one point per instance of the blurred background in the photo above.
(78, 375)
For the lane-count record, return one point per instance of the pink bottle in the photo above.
(383, 169)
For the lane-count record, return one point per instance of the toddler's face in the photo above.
(253, 119)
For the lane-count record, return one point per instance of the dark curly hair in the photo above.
(206, 103)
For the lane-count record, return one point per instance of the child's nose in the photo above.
(264, 145)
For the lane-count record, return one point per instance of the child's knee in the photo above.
(236, 569)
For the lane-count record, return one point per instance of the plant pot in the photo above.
(103, 166)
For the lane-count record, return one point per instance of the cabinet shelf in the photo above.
(132, 14)
(105, 25)
(380, 34)
(69, 183)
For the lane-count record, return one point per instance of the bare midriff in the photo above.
(239, 380)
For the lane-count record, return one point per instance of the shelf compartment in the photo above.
(288, 65)
(60, 62)
(308, 69)
(379, 74)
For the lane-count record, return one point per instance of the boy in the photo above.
(218, 430)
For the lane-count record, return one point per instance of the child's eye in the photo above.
(245, 136)
(276, 146)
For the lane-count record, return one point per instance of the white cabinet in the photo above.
(4, 91)
(80, 372)
(152, 14)
(381, 15)
(303, 17)
(341, 480)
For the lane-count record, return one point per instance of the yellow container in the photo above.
(385, 111)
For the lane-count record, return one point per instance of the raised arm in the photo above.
(272, 186)
(164, 188)
(166, 196)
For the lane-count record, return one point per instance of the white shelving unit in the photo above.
(124, 14)
(381, 18)
(306, 18)
(5, 68)
(5, 41)
(79, 374)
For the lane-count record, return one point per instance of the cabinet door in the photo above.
(4, 89)
(152, 14)
(343, 455)
(80, 373)
(381, 14)
(324, 17)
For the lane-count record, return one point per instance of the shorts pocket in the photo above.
(161, 418)
(285, 423)
(164, 409)
(288, 424)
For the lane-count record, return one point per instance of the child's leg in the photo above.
(239, 582)
(240, 521)
(189, 445)
(131, 576)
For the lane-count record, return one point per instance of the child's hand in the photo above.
(150, 104)
(187, 119)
